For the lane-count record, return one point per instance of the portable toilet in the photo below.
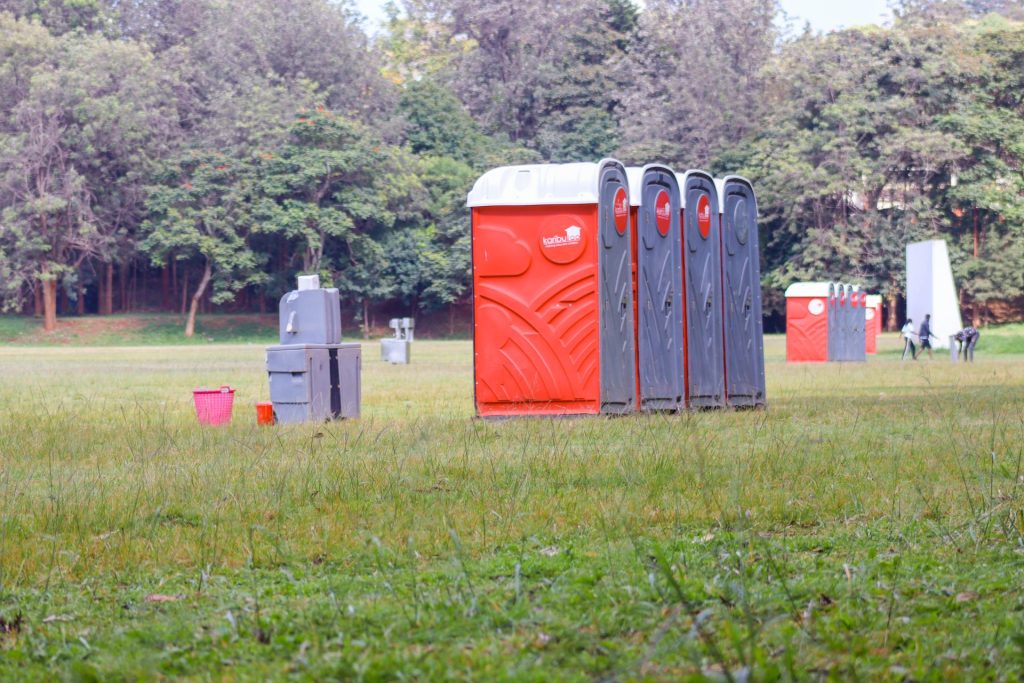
(810, 313)
(873, 323)
(741, 288)
(702, 291)
(856, 351)
(659, 291)
(840, 333)
(552, 290)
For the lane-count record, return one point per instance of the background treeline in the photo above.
(189, 154)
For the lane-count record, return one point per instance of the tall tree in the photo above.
(91, 118)
(201, 213)
(695, 74)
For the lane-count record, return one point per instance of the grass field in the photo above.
(868, 525)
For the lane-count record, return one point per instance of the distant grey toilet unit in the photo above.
(396, 350)
(313, 376)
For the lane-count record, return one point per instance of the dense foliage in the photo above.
(220, 146)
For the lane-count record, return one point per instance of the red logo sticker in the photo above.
(620, 207)
(663, 213)
(562, 242)
(704, 216)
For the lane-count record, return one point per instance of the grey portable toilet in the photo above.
(858, 326)
(842, 323)
(702, 289)
(741, 287)
(615, 272)
(659, 289)
(833, 321)
(312, 375)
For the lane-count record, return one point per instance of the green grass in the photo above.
(868, 525)
(159, 329)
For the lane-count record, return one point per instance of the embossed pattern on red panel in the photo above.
(536, 338)
(806, 330)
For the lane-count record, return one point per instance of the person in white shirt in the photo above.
(908, 339)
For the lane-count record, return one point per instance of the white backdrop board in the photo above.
(930, 289)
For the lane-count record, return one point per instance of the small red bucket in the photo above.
(264, 413)
(213, 406)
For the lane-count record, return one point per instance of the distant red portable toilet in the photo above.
(873, 316)
(809, 306)
(553, 327)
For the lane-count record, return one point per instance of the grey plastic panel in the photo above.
(293, 360)
(310, 316)
(842, 324)
(741, 272)
(659, 295)
(615, 297)
(350, 378)
(702, 269)
(858, 330)
(833, 322)
(395, 351)
(290, 387)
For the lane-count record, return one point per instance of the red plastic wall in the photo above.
(535, 310)
(806, 333)
(873, 328)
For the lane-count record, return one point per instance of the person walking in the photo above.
(966, 340)
(924, 336)
(908, 340)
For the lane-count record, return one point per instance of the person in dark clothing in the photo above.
(966, 340)
(924, 336)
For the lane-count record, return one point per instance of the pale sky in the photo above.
(824, 15)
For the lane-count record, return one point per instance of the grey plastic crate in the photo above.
(312, 382)
(395, 351)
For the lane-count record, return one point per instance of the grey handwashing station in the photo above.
(313, 376)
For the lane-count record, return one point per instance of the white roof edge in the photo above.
(801, 289)
(874, 300)
(720, 189)
(681, 179)
(540, 184)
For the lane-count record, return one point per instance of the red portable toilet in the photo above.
(552, 290)
(808, 309)
(873, 316)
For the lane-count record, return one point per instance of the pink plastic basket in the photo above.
(213, 406)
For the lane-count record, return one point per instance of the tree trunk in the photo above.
(891, 323)
(107, 289)
(366, 319)
(190, 324)
(174, 283)
(165, 286)
(49, 304)
(122, 283)
(184, 291)
(451, 319)
(80, 297)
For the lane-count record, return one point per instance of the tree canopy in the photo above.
(212, 149)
